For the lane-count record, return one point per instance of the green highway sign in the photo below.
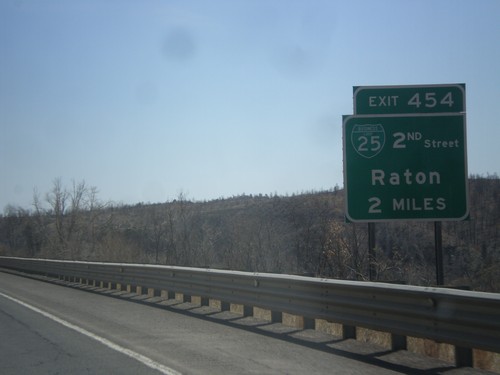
(381, 100)
(405, 167)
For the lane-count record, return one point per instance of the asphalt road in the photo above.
(52, 329)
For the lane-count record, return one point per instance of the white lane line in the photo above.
(130, 353)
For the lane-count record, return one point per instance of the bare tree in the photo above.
(66, 209)
(57, 200)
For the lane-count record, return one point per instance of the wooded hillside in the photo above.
(299, 234)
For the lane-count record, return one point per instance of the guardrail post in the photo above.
(247, 310)
(168, 294)
(463, 357)
(309, 323)
(276, 317)
(348, 332)
(182, 297)
(398, 342)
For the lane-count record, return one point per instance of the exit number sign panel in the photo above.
(379, 100)
(402, 167)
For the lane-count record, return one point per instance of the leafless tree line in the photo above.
(300, 234)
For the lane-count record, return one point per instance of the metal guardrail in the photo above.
(462, 318)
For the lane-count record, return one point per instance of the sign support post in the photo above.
(438, 246)
(372, 271)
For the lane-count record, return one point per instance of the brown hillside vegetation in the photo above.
(299, 234)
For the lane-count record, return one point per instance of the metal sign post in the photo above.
(438, 246)
(372, 270)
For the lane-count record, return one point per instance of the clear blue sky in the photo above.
(145, 99)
